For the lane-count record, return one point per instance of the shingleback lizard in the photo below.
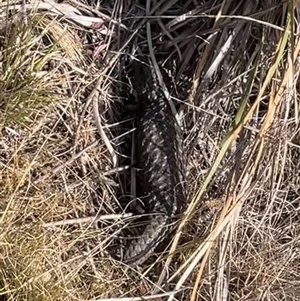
(159, 156)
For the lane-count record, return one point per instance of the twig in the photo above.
(117, 169)
(133, 170)
(151, 297)
(85, 220)
(102, 133)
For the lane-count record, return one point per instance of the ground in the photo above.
(65, 125)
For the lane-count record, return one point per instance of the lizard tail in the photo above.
(141, 249)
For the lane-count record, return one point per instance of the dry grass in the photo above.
(64, 135)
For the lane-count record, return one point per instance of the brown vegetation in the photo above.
(63, 128)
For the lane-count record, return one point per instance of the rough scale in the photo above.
(159, 157)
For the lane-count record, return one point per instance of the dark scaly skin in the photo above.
(159, 156)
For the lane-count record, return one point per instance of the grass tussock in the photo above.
(233, 73)
(28, 81)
